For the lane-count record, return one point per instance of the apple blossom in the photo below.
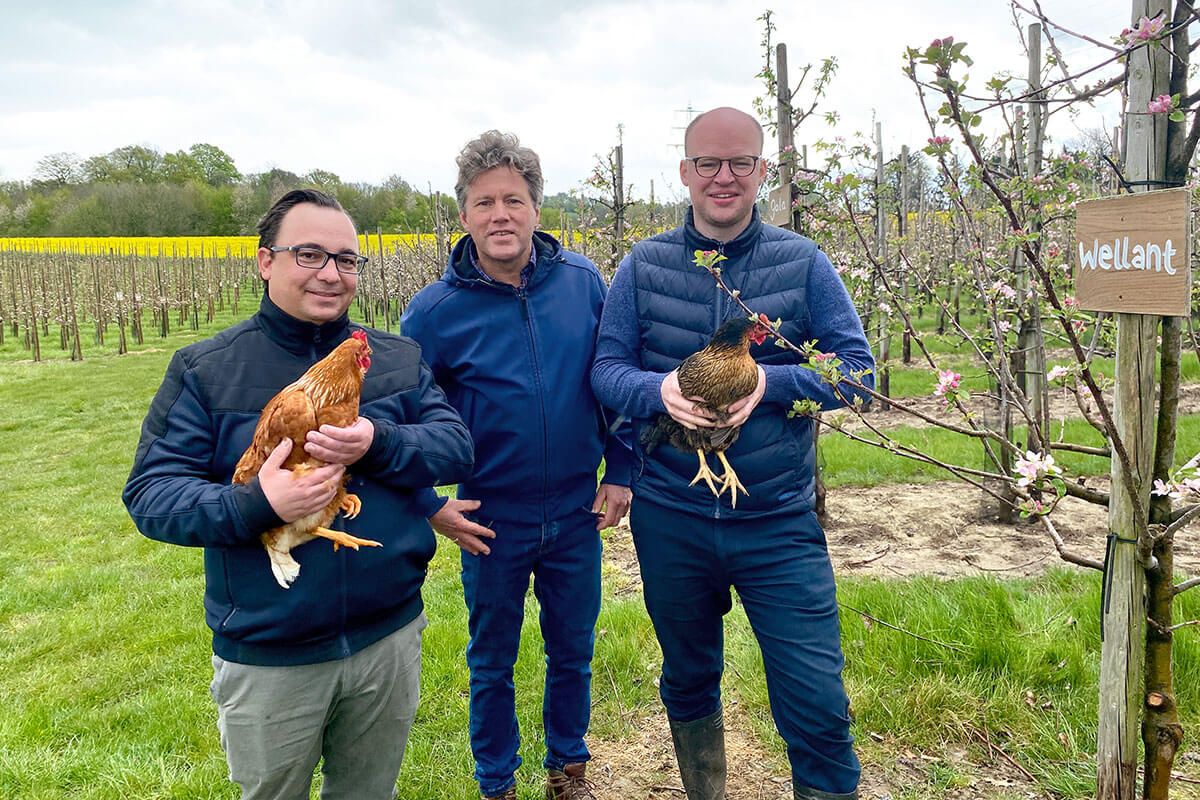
(1160, 105)
(1034, 466)
(947, 381)
(1170, 490)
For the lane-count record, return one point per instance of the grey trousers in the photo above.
(276, 723)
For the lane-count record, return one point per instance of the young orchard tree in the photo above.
(1012, 213)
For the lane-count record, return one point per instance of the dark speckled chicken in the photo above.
(720, 374)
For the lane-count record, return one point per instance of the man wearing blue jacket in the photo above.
(509, 332)
(331, 666)
(693, 547)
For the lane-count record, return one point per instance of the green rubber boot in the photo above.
(700, 751)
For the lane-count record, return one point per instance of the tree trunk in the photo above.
(1123, 624)
(1161, 732)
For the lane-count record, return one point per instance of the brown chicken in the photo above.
(720, 374)
(327, 394)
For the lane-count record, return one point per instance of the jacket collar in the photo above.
(298, 336)
(461, 272)
(736, 246)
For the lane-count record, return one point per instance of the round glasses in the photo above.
(709, 166)
(316, 258)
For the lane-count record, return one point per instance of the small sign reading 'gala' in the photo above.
(1133, 253)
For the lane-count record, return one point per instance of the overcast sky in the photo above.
(368, 89)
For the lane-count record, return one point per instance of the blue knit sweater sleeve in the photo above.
(618, 379)
(836, 327)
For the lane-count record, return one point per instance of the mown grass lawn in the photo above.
(104, 656)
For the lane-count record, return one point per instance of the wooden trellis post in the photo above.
(1124, 614)
(882, 329)
(902, 233)
(1030, 364)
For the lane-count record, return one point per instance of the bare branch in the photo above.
(1180, 518)
(948, 645)
(1061, 547)
(1051, 24)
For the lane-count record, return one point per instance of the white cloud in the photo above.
(369, 89)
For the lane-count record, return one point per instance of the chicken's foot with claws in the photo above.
(341, 538)
(705, 474)
(730, 481)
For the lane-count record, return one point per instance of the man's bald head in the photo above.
(725, 116)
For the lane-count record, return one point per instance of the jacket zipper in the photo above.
(717, 317)
(523, 299)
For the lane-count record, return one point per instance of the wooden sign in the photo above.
(779, 207)
(1133, 253)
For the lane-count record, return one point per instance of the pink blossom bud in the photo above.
(1160, 105)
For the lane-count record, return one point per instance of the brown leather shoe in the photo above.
(570, 784)
(510, 794)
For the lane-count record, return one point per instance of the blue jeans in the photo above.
(781, 571)
(564, 559)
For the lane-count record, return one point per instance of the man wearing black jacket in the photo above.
(330, 667)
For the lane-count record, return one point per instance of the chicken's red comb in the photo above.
(361, 335)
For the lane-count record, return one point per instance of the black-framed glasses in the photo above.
(316, 258)
(709, 166)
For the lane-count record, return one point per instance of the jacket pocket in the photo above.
(228, 617)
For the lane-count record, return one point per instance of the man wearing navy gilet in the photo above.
(694, 547)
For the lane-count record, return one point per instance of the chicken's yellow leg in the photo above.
(730, 481)
(342, 538)
(705, 474)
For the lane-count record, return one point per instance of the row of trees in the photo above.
(138, 191)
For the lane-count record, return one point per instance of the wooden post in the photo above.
(1124, 613)
(1029, 361)
(5, 265)
(77, 346)
(383, 284)
(902, 271)
(439, 224)
(135, 324)
(882, 329)
(783, 122)
(31, 329)
(618, 241)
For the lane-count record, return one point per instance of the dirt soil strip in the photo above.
(892, 531)
(939, 529)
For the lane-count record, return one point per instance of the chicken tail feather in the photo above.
(285, 568)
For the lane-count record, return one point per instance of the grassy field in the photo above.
(104, 656)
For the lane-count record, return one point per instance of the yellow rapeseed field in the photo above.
(180, 246)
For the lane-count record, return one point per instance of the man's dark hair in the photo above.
(268, 226)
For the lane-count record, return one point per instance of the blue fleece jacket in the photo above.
(515, 363)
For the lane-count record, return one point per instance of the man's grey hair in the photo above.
(495, 149)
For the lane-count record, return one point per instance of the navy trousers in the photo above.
(780, 568)
(564, 559)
